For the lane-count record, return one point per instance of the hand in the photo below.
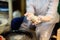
(29, 15)
(35, 20)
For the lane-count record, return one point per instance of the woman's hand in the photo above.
(35, 20)
(29, 16)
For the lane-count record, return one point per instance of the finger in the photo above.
(28, 18)
(26, 14)
(35, 23)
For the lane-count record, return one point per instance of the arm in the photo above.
(52, 11)
(29, 9)
(29, 6)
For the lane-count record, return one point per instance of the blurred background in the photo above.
(10, 9)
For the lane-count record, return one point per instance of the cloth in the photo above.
(43, 8)
(16, 22)
(40, 8)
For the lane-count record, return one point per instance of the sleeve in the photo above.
(30, 6)
(52, 11)
(52, 8)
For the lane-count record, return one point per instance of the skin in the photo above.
(37, 19)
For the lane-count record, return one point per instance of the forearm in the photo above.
(52, 11)
(30, 6)
(44, 18)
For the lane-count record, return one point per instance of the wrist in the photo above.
(45, 18)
